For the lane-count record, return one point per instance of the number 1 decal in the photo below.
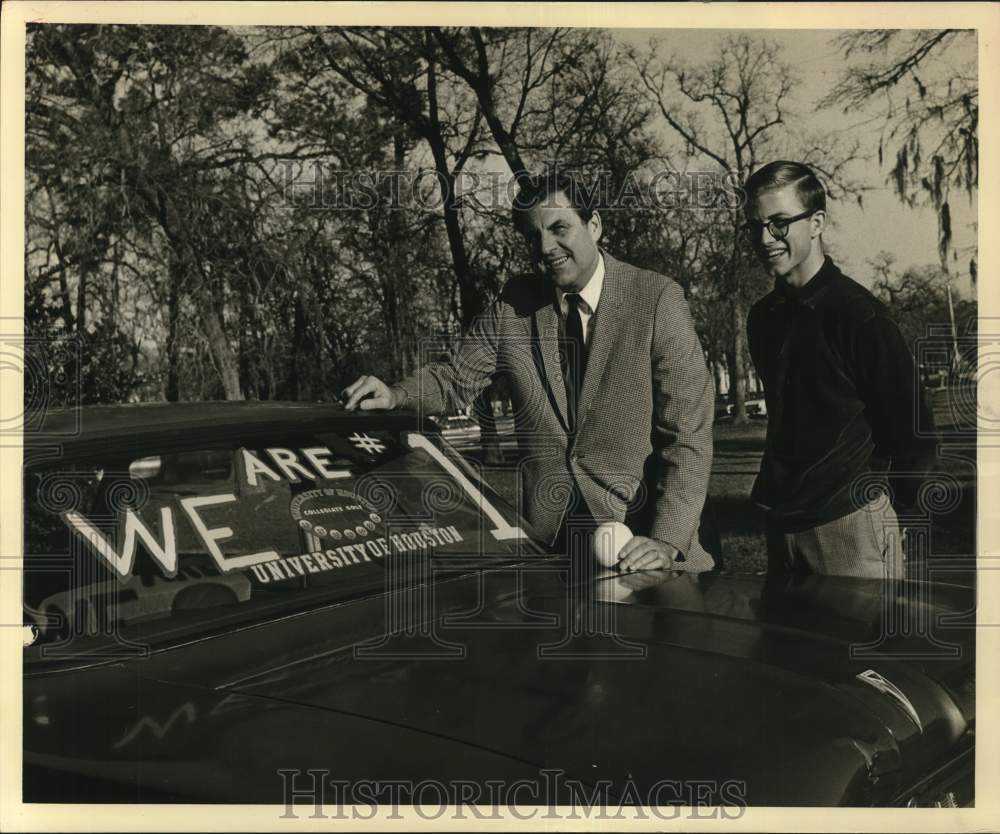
(502, 531)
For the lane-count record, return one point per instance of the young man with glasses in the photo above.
(844, 401)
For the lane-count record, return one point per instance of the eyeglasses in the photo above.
(777, 228)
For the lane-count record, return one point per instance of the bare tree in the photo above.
(726, 112)
(732, 113)
(517, 76)
(395, 69)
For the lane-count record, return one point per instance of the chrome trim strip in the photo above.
(887, 687)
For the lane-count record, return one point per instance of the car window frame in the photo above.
(173, 438)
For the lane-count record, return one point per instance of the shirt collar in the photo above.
(590, 294)
(808, 294)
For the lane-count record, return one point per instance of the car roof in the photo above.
(91, 423)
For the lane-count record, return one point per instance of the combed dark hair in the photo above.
(778, 174)
(537, 189)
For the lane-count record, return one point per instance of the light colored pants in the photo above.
(867, 543)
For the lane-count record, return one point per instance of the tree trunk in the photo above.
(81, 301)
(66, 308)
(508, 147)
(298, 340)
(222, 352)
(717, 373)
(469, 294)
(172, 392)
(393, 268)
(211, 309)
(248, 368)
(737, 367)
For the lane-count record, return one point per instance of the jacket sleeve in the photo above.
(451, 385)
(896, 405)
(683, 411)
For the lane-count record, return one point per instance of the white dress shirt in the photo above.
(590, 295)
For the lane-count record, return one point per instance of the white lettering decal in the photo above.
(368, 444)
(503, 530)
(347, 555)
(289, 464)
(315, 457)
(253, 465)
(121, 561)
(211, 537)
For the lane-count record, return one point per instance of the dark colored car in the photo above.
(226, 602)
(755, 407)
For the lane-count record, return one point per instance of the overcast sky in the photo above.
(857, 234)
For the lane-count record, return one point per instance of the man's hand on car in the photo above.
(643, 553)
(370, 392)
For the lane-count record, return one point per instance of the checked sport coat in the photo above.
(642, 449)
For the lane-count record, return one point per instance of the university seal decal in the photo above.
(335, 514)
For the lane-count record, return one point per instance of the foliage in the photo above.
(924, 86)
(728, 113)
(917, 298)
(270, 212)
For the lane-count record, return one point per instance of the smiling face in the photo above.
(797, 257)
(563, 245)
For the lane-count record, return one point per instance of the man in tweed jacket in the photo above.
(634, 439)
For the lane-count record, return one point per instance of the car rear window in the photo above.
(185, 535)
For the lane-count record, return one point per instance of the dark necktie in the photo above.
(576, 355)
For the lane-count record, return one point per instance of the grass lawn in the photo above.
(738, 451)
(951, 524)
(737, 459)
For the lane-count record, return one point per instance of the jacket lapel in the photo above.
(547, 324)
(607, 326)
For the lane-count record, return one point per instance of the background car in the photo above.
(755, 406)
(463, 433)
(340, 592)
(459, 429)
